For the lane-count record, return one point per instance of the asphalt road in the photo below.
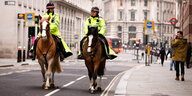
(27, 80)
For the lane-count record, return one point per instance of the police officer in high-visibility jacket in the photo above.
(95, 20)
(54, 28)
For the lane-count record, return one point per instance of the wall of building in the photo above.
(14, 32)
(159, 11)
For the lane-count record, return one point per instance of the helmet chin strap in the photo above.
(95, 16)
(50, 12)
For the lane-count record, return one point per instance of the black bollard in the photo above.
(19, 54)
(23, 53)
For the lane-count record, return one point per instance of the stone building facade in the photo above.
(125, 18)
(15, 35)
(186, 18)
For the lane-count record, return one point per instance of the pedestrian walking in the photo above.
(142, 55)
(188, 57)
(162, 55)
(179, 44)
(172, 63)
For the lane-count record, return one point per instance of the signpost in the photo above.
(149, 30)
(149, 27)
(76, 39)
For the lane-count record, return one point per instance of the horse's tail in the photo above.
(58, 66)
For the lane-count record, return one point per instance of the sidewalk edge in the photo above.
(121, 87)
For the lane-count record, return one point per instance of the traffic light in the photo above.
(36, 19)
(137, 45)
(31, 31)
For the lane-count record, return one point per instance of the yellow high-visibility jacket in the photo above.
(100, 22)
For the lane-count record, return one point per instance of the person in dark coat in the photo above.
(188, 57)
(179, 54)
(162, 55)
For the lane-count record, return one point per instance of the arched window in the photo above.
(119, 28)
(132, 28)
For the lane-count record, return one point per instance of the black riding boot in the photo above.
(107, 46)
(80, 56)
(104, 40)
(34, 48)
(63, 53)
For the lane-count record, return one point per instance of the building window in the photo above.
(132, 28)
(132, 2)
(157, 3)
(145, 15)
(121, 3)
(119, 28)
(157, 16)
(120, 14)
(145, 2)
(132, 16)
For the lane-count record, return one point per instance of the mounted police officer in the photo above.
(95, 20)
(54, 28)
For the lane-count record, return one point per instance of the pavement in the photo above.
(154, 80)
(141, 80)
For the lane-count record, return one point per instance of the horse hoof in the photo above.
(52, 86)
(91, 91)
(46, 88)
(99, 89)
(43, 86)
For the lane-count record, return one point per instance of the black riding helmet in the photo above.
(95, 9)
(50, 5)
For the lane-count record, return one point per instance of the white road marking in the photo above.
(108, 88)
(68, 84)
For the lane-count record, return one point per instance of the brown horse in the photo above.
(47, 55)
(94, 54)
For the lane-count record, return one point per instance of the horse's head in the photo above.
(44, 26)
(92, 37)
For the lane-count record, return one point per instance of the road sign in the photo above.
(173, 21)
(20, 16)
(149, 24)
(29, 16)
(149, 31)
(76, 36)
(30, 23)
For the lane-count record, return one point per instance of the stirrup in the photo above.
(80, 57)
(34, 57)
(67, 54)
(111, 57)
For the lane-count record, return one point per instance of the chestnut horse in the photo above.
(47, 55)
(94, 54)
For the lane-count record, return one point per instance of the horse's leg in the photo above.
(42, 72)
(94, 76)
(52, 85)
(100, 74)
(48, 74)
(90, 73)
(100, 83)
